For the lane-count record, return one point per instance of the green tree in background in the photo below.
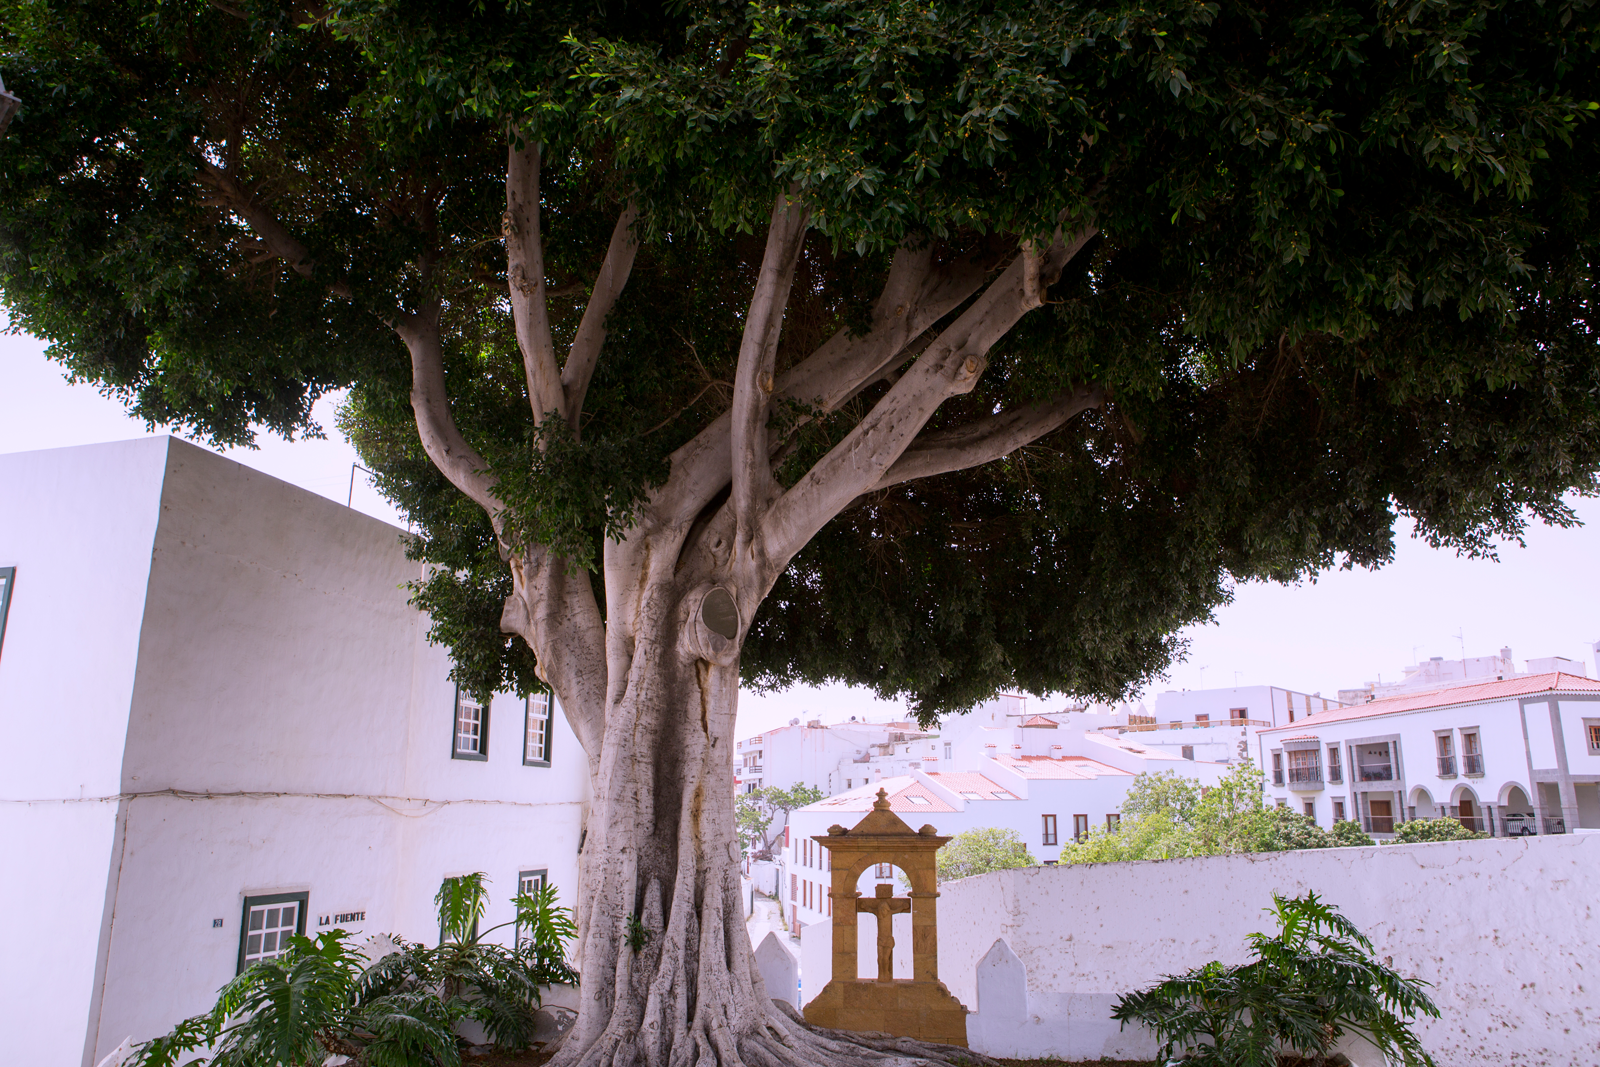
(981, 851)
(757, 811)
(937, 347)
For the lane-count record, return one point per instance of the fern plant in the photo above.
(325, 996)
(1309, 985)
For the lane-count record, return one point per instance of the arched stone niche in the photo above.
(920, 1006)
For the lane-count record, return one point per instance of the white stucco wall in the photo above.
(1503, 930)
(78, 524)
(235, 701)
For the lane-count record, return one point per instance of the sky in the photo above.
(1343, 630)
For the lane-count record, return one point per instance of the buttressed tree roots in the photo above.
(652, 688)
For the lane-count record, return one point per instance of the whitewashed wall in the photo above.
(182, 623)
(1506, 932)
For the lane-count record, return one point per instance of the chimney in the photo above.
(1505, 654)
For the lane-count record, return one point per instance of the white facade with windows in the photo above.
(1048, 783)
(247, 737)
(1512, 757)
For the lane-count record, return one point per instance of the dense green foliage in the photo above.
(1413, 831)
(1167, 815)
(756, 811)
(400, 1010)
(981, 851)
(1345, 271)
(1314, 982)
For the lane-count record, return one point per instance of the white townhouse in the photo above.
(227, 725)
(831, 758)
(1050, 784)
(1512, 757)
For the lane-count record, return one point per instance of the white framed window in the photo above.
(268, 923)
(470, 738)
(8, 578)
(537, 726)
(528, 884)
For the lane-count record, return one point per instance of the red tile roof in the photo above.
(1080, 768)
(1444, 698)
(1041, 723)
(970, 782)
(901, 788)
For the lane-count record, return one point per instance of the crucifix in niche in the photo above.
(885, 906)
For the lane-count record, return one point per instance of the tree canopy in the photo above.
(1340, 268)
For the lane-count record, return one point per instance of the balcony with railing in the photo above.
(1377, 772)
(1447, 766)
(1305, 777)
(1136, 725)
(1472, 765)
(1335, 774)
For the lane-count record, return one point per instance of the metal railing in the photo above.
(1197, 724)
(1555, 824)
(1378, 824)
(1447, 766)
(1305, 777)
(1472, 763)
(1377, 772)
(753, 768)
(1335, 774)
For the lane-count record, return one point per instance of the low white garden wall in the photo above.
(1506, 931)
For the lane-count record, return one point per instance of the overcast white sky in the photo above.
(1343, 630)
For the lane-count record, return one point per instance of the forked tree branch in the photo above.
(525, 280)
(591, 336)
(916, 295)
(753, 381)
(988, 439)
(950, 366)
(274, 236)
(430, 403)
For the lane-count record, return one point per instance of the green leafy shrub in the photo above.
(326, 996)
(1346, 833)
(1282, 830)
(1308, 986)
(981, 851)
(1446, 829)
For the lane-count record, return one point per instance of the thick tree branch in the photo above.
(753, 381)
(525, 280)
(988, 439)
(436, 426)
(275, 238)
(951, 365)
(591, 336)
(916, 295)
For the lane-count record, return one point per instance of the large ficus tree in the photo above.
(934, 346)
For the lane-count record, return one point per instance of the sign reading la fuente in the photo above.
(342, 918)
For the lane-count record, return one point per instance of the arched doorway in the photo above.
(1422, 806)
(1516, 813)
(1464, 807)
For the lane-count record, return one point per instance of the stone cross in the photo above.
(885, 906)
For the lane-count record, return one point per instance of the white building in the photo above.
(997, 767)
(1510, 757)
(224, 714)
(830, 758)
(1441, 673)
(1220, 725)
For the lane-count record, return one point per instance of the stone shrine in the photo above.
(920, 1006)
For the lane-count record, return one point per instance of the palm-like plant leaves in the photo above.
(400, 1010)
(1313, 982)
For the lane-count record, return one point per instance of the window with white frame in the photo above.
(268, 923)
(8, 578)
(537, 726)
(471, 735)
(529, 883)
